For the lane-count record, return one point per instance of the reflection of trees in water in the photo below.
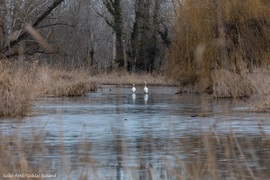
(118, 148)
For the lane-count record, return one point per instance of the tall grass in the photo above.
(17, 89)
(59, 82)
(21, 83)
(228, 84)
(226, 156)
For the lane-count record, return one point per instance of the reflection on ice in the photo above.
(145, 98)
(133, 97)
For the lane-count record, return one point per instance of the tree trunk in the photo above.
(140, 37)
(114, 8)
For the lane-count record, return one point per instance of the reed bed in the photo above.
(59, 82)
(17, 90)
(21, 83)
(253, 86)
(231, 85)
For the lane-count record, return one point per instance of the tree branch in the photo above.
(106, 19)
(35, 24)
(55, 24)
(109, 6)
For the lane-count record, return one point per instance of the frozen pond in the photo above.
(114, 134)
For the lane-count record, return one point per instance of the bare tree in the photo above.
(83, 37)
(148, 34)
(115, 21)
(15, 23)
(98, 34)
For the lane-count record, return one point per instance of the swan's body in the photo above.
(145, 89)
(133, 89)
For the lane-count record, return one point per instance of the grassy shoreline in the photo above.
(126, 78)
(21, 83)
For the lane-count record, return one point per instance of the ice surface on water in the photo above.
(113, 117)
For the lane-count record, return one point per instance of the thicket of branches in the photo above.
(102, 34)
(231, 35)
(189, 36)
(70, 28)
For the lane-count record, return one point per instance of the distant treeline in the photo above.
(104, 35)
(178, 37)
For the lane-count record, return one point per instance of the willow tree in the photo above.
(220, 34)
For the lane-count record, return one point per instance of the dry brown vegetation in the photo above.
(15, 156)
(206, 156)
(226, 156)
(59, 82)
(227, 84)
(16, 89)
(22, 82)
(221, 43)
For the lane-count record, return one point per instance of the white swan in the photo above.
(145, 89)
(133, 89)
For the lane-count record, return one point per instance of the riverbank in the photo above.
(253, 87)
(126, 78)
(21, 83)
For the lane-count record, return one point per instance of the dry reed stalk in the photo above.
(36, 35)
(260, 80)
(21, 83)
(17, 91)
(56, 82)
(227, 84)
(222, 156)
(205, 156)
(15, 157)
